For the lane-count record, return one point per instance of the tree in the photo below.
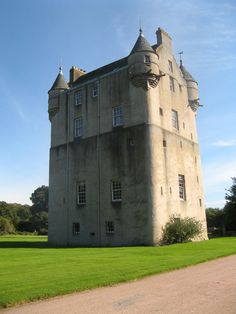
(39, 199)
(215, 217)
(180, 230)
(6, 226)
(230, 207)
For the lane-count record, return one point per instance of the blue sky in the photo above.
(36, 35)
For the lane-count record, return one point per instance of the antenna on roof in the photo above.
(180, 57)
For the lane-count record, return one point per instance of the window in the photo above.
(95, 91)
(81, 193)
(117, 116)
(172, 84)
(164, 143)
(116, 191)
(147, 59)
(182, 194)
(180, 88)
(175, 120)
(161, 111)
(76, 228)
(200, 202)
(170, 66)
(78, 98)
(78, 127)
(110, 228)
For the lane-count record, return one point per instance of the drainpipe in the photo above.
(67, 169)
(99, 165)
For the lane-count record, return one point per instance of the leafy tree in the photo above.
(230, 207)
(39, 222)
(215, 217)
(180, 230)
(39, 199)
(6, 226)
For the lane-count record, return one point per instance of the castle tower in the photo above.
(124, 153)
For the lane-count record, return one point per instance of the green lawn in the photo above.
(31, 270)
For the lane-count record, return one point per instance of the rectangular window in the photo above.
(170, 66)
(81, 193)
(172, 84)
(182, 193)
(76, 228)
(78, 127)
(116, 191)
(161, 111)
(78, 98)
(175, 119)
(110, 228)
(147, 59)
(95, 91)
(117, 116)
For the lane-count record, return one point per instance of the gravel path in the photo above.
(203, 289)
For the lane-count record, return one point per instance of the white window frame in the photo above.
(78, 98)
(110, 227)
(182, 191)
(81, 193)
(78, 127)
(117, 116)
(75, 228)
(95, 90)
(147, 59)
(116, 191)
(172, 84)
(175, 119)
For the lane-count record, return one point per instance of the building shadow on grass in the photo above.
(24, 244)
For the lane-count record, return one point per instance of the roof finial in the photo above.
(140, 27)
(60, 67)
(180, 57)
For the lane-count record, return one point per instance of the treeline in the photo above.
(223, 221)
(17, 218)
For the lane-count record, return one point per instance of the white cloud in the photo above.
(224, 143)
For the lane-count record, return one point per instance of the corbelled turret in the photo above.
(143, 64)
(58, 86)
(192, 88)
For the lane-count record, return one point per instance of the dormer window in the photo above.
(147, 59)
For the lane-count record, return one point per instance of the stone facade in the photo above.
(124, 151)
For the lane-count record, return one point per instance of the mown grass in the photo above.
(31, 270)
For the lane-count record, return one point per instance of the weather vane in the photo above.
(180, 57)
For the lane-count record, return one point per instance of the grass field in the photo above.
(31, 270)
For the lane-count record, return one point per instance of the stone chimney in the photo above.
(164, 39)
(75, 73)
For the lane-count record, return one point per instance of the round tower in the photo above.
(58, 86)
(143, 64)
(192, 88)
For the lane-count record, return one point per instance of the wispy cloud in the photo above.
(224, 143)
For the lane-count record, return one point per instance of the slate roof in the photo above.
(59, 83)
(141, 44)
(187, 76)
(101, 71)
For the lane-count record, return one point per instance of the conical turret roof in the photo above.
(187, 76)
(141, 44)
(60, 83)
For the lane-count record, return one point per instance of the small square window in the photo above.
(172, 84)
(78, 98)
(147, 59)
(110, 228)
(76, 228)
(175, 119)
(78, 127)
(170, 66)
(182, 193)
(117, 116)
(116, 191)
(95, 91)
(81, 193)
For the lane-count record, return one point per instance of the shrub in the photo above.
(180, 230)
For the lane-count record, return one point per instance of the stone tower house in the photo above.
(124, 151)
